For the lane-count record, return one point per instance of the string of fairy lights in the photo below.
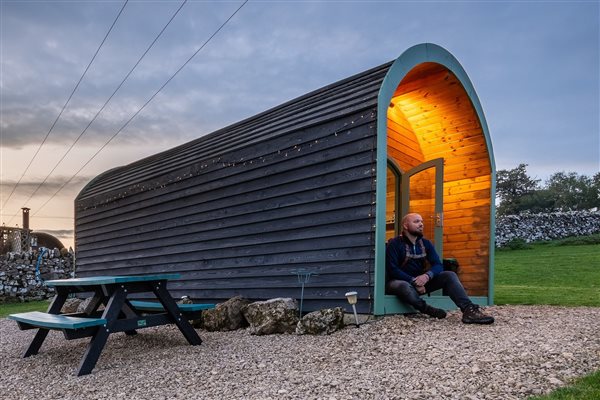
(346, 129)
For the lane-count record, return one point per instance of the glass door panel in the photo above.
(422, 199)
(391, 204)
(422, 191)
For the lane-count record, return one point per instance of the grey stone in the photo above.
(70, 306)
(321, 322)
(278, 315)
(20, 278)
(546, 226)
(225, 316)
(83, 305)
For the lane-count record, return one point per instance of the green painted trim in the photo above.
(492, 265)
(425, 52)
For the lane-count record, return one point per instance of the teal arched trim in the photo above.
(421, 53)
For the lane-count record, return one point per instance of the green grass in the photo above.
(586, 388)
(12, 308)
(556, 274)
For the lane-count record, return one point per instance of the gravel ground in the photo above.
(529, 350)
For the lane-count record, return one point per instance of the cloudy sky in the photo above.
(534, 64)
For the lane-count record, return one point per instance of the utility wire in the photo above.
(145, 104)
(64, 106)
(104, 105)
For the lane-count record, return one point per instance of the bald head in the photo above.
(412, 225)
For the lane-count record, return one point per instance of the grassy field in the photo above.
(12, 308)
(567, 275)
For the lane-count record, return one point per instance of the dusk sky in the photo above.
(534, 65)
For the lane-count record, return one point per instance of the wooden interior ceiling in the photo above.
(431, 116)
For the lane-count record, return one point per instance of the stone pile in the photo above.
(22, 277)
(267, 317)
(546, 226)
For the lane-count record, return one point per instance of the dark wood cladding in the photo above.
(242, 210)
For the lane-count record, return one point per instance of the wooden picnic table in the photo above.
(119, 314)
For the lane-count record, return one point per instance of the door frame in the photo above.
(425, 52)
(391, 303)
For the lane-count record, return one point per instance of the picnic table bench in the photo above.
(119, 314)
(189, 310)
(37, 319)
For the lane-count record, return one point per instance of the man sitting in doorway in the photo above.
(408, 277)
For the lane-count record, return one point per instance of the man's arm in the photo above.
(434, 260)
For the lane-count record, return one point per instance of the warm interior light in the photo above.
(433, 117)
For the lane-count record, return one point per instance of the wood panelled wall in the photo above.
(239, 211)
(431, 117)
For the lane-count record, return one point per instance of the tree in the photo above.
(563, 191)
(512, 186)
(572, 191)
(541, 200)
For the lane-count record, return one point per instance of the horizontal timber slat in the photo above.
(359, 169)
(235, 217)
(279, 163)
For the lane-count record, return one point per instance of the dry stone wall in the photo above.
(22, 277)
(546, 226)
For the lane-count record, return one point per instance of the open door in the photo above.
(422, 190)
(418, 190)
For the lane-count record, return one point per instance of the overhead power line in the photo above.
(105, 104)
(65, 105)
(144, 106)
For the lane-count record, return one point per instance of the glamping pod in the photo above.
(298, 201)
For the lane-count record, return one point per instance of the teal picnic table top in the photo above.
(110, 279)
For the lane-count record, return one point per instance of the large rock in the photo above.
(85, 303)
(278, 315)
(70, 306)
(321, 322)
(225, 316)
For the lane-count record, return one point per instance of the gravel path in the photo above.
(529, 350)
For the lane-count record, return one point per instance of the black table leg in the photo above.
(36, 343)
(160, 290)
(128, 312)
(94, 349)
(41, 334)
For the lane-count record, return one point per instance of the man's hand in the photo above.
(420, 289)
(421, 280)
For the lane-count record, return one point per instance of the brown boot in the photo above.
(473, 315)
